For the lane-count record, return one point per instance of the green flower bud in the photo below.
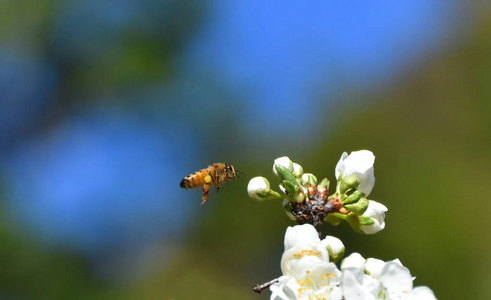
(324, 184)
(349, 182)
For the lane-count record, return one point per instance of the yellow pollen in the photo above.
(208, 178)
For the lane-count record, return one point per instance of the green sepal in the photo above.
(359, 207)
(334, 258)
(290, 188)
(285, 174)
(324, 184)
(311, 179)
(333, 219)
(288, 207)
(353, 196)
(268, 194)
(366, 221)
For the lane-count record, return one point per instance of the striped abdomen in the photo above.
(194, 180)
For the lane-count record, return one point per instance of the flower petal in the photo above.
(301, 236)
(396, 279)
(354, 260)
(358, 286)
(421, 293)
(340, 165)
(374, 267)
(359, 163)
(376, 211)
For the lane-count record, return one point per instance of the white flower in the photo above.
(257, 184)
(359, 163)
(376, 211)
(283, 161)
(307, 271)
(375, 279)
(358, 286)
(398, 283)
(318, 282)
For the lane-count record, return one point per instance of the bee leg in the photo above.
(206, 188)
(217, 187)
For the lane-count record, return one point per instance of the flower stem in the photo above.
(259, 287)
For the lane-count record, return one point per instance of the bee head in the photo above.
(230, 171)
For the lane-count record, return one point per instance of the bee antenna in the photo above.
(203, 161)
(241, 173)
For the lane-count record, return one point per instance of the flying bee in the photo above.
(214, 175)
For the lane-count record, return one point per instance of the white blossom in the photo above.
(284, 161)
(257, 184)
(307, 271)
(375, 279)
(375, 211)
(359, 163)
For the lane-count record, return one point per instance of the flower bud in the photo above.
(259, 188)
(334, 246)
(282, 161)
(323, 185)
(349, 182)
(309, 178)
(376, 212)
(285, 174)
(297, 170)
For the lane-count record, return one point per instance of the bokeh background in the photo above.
(105, 105)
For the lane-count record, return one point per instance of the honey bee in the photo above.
(214, 175)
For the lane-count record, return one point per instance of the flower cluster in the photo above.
(307, 201)
(309, 272)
